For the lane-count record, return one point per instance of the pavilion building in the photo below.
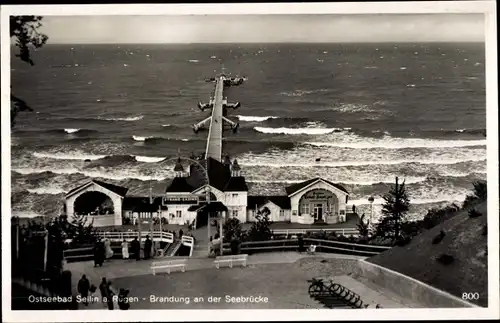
(185, 199)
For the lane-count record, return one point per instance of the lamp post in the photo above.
(371, 200)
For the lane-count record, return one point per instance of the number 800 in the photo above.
(470, 296)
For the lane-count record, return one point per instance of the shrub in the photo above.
(485, 230)
(474, 214)
(480, 190)
(402, 241)
(445, 259)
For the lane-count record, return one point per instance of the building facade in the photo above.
(211, 186)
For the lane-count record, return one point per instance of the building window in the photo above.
(305, 209)
(235, 213)
(178, 213)
(282, 213)
(235, 195)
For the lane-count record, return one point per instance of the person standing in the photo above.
(136, 248)
(99, 253)
(111, 294)
(109, 251)
(83, 289)
(125, 253)
(147, 248)
(301, 243)
(103, 288)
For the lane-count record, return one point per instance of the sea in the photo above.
(354, 114)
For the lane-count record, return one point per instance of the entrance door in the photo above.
(319, 212)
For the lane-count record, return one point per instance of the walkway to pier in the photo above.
(214, 140)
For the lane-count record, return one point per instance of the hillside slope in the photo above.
(464, 240)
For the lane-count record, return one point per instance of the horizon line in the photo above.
(270, 42)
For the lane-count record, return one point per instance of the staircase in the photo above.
(173, 248)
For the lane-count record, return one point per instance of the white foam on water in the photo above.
(297, 131)
(388, 142)
(255, 118)
(140, 138)
(46, 190)
(136, 118)
(146, 159)
(362, 163)
(69, 156)
(71, 130)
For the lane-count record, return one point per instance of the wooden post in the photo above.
(222, 217)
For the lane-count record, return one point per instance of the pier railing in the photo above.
(327, 246)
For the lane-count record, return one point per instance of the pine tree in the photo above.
(397, 204)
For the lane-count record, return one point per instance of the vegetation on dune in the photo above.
(24, 30)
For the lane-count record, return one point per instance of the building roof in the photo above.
(141, 204)
(256, 201)
(120, 190)
(297, 187)
(218, 176)
(236, 184)
(179, 184)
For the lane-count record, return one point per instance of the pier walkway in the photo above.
(214, 139)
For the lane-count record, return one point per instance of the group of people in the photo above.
(102, 251)
(135, 248)
(85, 289)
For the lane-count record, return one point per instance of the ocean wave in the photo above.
(140, 138)
(166, 125)
(390, 179)
(194, 60)
(69, 156)
(46, 190)
(105, 173)
(303, 92)
(399, 143)
(255, 118)
(136, 118)
(146, 159)
(71, 130)
(298, 131)
(364, 163)
(439, 199)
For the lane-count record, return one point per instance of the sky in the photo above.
(265, 28)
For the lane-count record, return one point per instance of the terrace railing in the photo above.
(341, 231)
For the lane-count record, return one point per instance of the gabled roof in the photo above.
(121, 191)
(179, 184)
(257, 201)
(236, 184)
(297, 187)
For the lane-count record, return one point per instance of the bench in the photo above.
(169, 264)
(231, 260)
